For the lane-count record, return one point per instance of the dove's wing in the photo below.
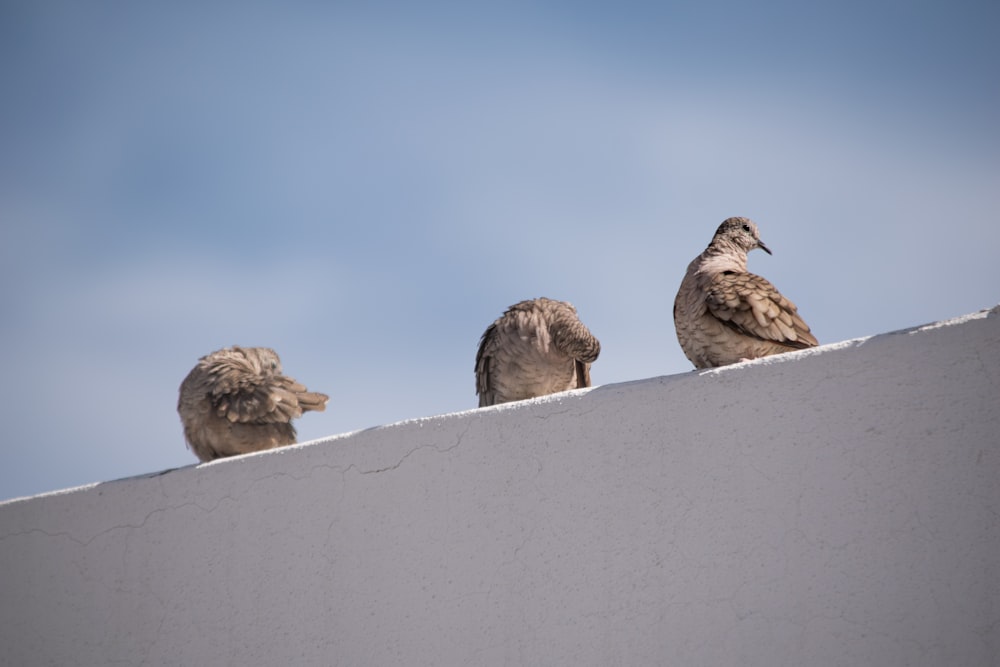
(754, 307)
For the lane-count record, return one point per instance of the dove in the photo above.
(724, 314)
(236, 400)
(537, 347)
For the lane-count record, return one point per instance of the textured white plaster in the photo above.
(837, 506)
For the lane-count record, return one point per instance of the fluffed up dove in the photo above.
(236, 401)
(724, 314)
(537, 347)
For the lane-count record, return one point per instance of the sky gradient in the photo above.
(366, 188)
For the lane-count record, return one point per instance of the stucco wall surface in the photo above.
(839, 506)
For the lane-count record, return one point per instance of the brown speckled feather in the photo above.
(535, 348)
(724, 314)
(236, 400)
(753, 307)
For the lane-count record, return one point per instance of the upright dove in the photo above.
(236, 400)
(724, 314)
(537, 347)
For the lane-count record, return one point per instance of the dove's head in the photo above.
(266, 359)
(236, 362)
(258, 360)
(742, 233)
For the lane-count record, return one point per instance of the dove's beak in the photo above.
(760, 244)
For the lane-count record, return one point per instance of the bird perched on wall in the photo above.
(724, 314)
(236, 401)
(537, 347)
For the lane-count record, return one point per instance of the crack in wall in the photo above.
(411, 452)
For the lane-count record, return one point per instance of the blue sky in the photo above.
(365, 187)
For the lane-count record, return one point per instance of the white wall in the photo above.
(839, 506)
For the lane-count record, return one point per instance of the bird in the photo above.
(724, 314)
(236, 400)
(537, 347)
